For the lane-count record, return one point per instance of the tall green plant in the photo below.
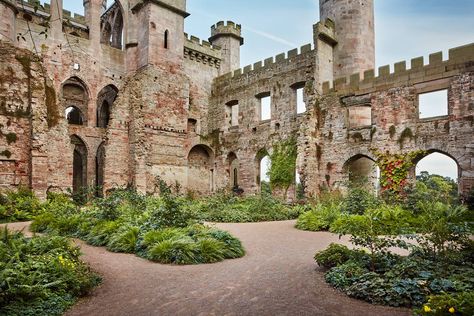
(282, 170)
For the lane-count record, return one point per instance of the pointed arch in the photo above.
(100, 170)
(79, 164)
(75, 99)
(201, 169)
(105, 101)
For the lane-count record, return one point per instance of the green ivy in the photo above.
(283, 164)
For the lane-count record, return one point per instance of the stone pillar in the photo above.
(56, 10)
(354, 30)
(92, 12)
(228, 38)
(8, 12)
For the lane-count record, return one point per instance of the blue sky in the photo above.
(404, 29)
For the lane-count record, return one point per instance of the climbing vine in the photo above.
(394, 169)
(283, 164)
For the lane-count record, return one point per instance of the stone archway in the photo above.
(361, 171)
(201, 169)
(233, 170)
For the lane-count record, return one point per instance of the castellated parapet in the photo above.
(419, 72)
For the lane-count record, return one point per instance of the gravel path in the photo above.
(278, 276)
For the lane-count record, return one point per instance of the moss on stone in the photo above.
(406, 134)
(52, 110)
(392, 130)
(372, 132)
(6, 153)
(11, 138)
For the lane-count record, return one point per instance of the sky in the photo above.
(404, 28)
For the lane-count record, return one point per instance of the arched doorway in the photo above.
(263, 164)
(201, 170)
(79, 164)
(362, 171)
(233, 170)
(74, 116)
(105, 100)
(439, 172)
(100, 170)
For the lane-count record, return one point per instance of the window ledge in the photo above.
(434, 118)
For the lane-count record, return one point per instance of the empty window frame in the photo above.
(433, 104)
(300, 102)
(265, 106)
(232, 109)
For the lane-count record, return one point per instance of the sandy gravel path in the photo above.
(278, 276)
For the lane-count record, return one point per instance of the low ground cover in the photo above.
(435, 278)
(41, 275)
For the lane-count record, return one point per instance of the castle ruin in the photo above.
(122, 95)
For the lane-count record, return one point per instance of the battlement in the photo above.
(201, 51)
(228, 28)
(45, 10)
(418, 70)
(271, 62)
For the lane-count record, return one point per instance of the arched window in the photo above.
(165, 44)
(100, 170)
(74, 116)
(75, 100)
(111, 26)
(105, 101)
(79, 164)
(439, 164)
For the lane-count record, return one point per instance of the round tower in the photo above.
(8, 12)
(228, 36)
(355, 34)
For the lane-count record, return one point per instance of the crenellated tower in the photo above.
(228, 36)
(353, 22)
(8, 12)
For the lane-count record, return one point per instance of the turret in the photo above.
(354, 32)
(8, 12)
(229, 38)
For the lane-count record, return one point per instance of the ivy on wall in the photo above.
(282, 170)
(394, 169)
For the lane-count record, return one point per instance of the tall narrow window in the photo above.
(300, 104)
(232, 112)
(433, 104)
(166, 39)
(265, 110)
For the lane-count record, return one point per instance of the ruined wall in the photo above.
(395, 125)
(279, 77)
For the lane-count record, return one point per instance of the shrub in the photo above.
(333, 256)
(344, 275)
(179, 250)
(40, 275)
(358, 201)
(319, 217)
(124, 240)
(19, 205)
(448, 304)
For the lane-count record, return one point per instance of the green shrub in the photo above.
(344, 275)
(19, 205)
(233, 246)
(40, 275)
(211, 250)
(333, 256)
(320, 217)
(358, 201)
(179, 251)
(448, 304)
(100, 233)
(124, 240)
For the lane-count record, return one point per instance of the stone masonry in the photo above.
(122, 96)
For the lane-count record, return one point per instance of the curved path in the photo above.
(278, 276)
